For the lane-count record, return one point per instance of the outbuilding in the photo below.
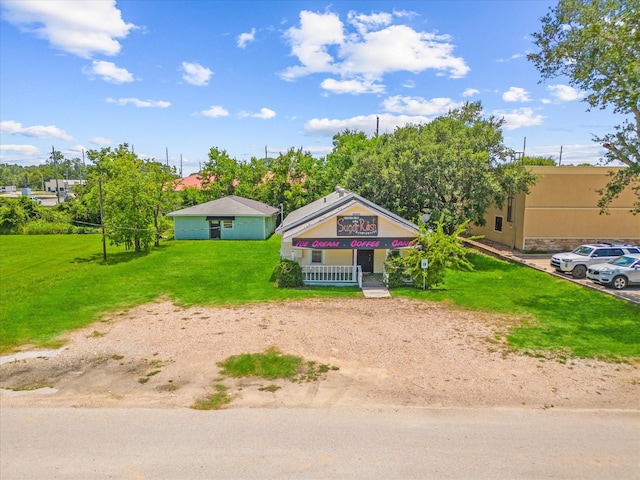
(227, 218)
(342, 237)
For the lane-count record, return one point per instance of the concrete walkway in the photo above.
(375, 291)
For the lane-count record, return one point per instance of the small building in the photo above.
(561, 212)
(62, 186)
(227, 218)
(341, 237)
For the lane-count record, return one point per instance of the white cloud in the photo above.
(139, 103)
(470, 92)
(109, 72)
(23, 150)
(322, 44)
(38, 131)
(512, 57)
(196, 74)
(419, 105)
(83, 28)
(215, 111)
(264, 114)
(245, 38)
(364, 23)
(565, 93)
(102, 141)
(521, 117)
(354, 87)
(365, 123)
(572, 154)
(516, 94)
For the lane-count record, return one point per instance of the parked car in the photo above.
(577, 261)
(617, 273)
(36, 199)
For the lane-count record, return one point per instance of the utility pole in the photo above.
(55, 169)
(560, 159)
(104, 241)
(167, 152)
(180, 165)
(377, 125)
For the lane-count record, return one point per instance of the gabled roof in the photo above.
(318, 211)
(231, 205)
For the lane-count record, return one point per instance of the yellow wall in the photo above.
(561, 211)
(328, 228)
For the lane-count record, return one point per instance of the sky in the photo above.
(174, 79)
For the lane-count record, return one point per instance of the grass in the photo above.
(51, 284)
(558, 315)
(56, 283)
(270, 365)
(214, 401)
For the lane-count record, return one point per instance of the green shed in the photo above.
(227, 218)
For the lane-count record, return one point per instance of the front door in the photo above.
(214, 229)
(365, 260)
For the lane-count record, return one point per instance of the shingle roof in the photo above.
(231, 205)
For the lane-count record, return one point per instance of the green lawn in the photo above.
(52, 284)
(559, 315)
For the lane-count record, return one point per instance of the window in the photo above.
(316, 256)
(227, 224)
(498, 224)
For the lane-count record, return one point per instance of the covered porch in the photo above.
(338, 275)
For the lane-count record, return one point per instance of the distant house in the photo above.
(228, 218)
(62, 186)
(192, 180)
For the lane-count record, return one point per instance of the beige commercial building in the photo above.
(561, 212)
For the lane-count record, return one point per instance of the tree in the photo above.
(219, 174)
(442, 251)
(130, 196)
(455, 166)
(596, 45)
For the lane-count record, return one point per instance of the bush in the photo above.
(288, 274)
(396, 268)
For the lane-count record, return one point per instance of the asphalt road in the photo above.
(314, 443)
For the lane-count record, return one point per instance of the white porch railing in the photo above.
(332, 275)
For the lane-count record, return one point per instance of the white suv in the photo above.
(617, 273)
(577, 261)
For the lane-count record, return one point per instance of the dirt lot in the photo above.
(388, 351)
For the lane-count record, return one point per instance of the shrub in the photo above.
(288, 274)
(396, 268)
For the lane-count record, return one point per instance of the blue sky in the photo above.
(244, 76)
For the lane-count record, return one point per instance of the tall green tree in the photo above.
(129, 195)
(219, 174)
(595, 44)
(291, 180)
(454, 167)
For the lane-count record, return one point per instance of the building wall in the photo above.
(190, 228)
(328, 229)
(561, 212)
(244, 228)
